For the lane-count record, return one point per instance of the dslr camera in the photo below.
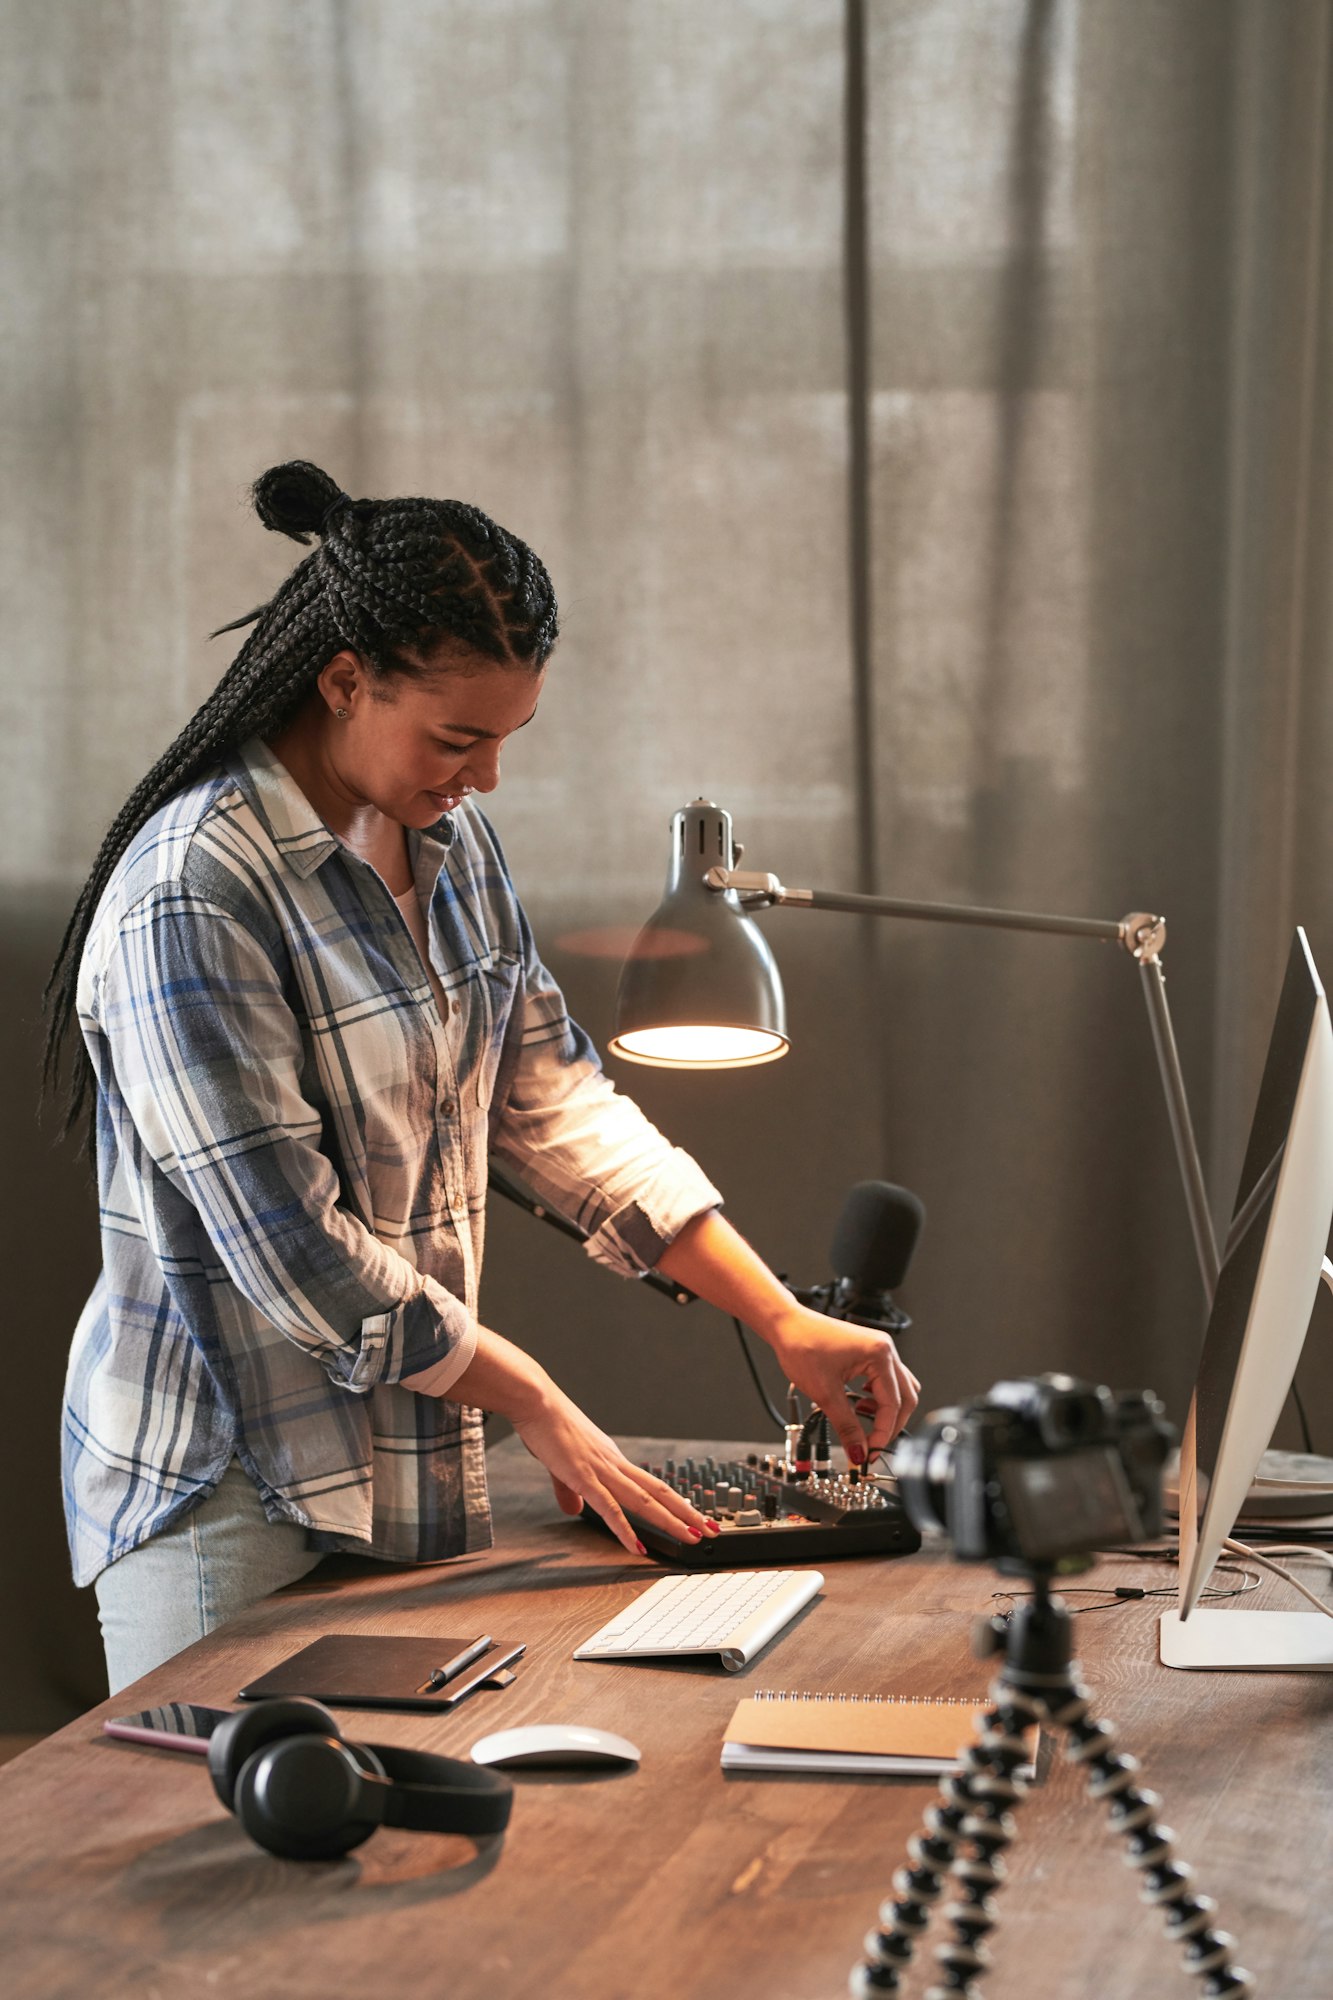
(1039, 1473)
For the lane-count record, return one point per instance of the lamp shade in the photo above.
(700, 988)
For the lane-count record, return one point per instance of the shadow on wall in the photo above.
(51, 1667)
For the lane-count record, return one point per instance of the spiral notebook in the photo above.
(859, 1734)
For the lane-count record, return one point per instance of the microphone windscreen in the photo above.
(876, 1235)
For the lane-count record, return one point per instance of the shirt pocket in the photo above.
(499, 991)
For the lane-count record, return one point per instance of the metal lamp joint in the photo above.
(1143, 936)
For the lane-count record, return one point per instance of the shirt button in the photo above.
(447, 1107)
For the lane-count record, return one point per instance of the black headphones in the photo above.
(299, 1789)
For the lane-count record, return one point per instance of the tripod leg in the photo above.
(989, 1829)
(903, 1917)
(1112, 1776)
(972, 1809)
(1039, 1683)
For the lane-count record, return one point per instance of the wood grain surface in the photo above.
(120, 1874)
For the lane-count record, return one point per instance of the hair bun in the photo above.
(296, 499)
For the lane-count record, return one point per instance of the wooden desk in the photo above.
(120, 1875)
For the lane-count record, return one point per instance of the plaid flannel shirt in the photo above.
(292, 1151)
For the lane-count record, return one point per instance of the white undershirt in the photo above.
(414, 916)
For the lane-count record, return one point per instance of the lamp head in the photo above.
(700, 988)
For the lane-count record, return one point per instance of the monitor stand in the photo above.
(1247, 1641)
(1271, 1642)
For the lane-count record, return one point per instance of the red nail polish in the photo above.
(696, 1534)
(642, 1550)
(857, 1454)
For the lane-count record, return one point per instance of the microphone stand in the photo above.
(839, 1299)
(1141, 935)
(500, 1183)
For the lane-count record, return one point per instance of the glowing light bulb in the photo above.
(700, 1047)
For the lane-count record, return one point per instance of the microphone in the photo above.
(872, 1247)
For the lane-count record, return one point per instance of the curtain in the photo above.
(1101, 643)
(922, 407)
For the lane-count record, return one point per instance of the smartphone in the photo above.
(177, 1725)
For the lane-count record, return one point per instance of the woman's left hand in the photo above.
(822, 1356)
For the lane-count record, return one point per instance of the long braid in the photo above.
(384, 574)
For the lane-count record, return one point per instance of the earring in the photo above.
(342, 714)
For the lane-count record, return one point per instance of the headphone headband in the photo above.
(431, 1794)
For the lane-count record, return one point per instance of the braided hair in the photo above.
(436, 575)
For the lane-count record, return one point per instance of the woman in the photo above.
(312, 1008)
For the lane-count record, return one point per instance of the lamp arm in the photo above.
(1182, 1130)
(1141, 935)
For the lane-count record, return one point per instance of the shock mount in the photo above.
(966, 1832)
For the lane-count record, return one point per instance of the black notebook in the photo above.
(351, 1670)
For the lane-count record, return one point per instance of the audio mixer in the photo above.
(792, 1506)
(768, 1512)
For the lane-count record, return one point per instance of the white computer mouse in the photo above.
(554, 1744)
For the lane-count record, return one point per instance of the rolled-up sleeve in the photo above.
(207, 1057)
(585, 1149)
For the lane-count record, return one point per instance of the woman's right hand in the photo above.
(586, 1466)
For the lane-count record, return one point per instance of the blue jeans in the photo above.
(207, 1567)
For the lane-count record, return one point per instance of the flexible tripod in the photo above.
(1038, 1682)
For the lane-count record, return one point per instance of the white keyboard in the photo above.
(731, 1612)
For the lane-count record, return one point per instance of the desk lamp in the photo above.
(700, 988)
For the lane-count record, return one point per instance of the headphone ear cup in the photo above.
(302, 1798)
(250, 1729)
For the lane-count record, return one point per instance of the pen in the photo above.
(479, 1676)
(452, 1668)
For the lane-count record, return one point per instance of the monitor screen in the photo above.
(1271, 1266)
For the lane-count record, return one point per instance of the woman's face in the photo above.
(414, 747)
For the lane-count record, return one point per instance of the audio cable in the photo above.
(1114, 1595)
(755, 1376)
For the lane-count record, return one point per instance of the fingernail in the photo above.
(714, 1527)
(642, 1550)
(857, 1454)
(696, 1534)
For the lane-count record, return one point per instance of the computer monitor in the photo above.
(1271, 1267)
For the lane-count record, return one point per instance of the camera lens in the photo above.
(923, 1468)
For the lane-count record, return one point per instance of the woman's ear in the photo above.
(341, 683)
